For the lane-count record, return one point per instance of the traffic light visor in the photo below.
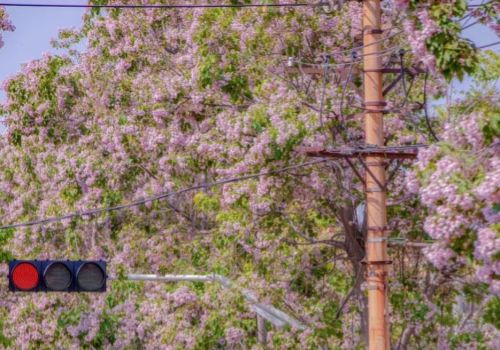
(25, 276)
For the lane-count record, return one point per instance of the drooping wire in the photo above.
(406, 90)
(489, 45)
(94, 211)
(480, 5)
(323, 90)
(340, 64)
(361, 47)
(429, 126)
(351, 50)
(472, 6)
(470, 25)
(469, 16)
(403, 81)
(378, 53)
(354, 56)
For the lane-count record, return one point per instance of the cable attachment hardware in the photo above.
(377, 240)
(377, 262)
(381, 229)
(372, 287)
(372, 273)
(374, 31)
(375, 103)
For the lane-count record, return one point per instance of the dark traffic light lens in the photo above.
(90, 277)
(57, 276)
(25, 276)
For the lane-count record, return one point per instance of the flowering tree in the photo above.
(5, 24)
(164, 100)
(457, 182)
(434, 29)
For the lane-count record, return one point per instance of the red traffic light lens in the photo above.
(90, 277)
(25, 276)
(57, 277)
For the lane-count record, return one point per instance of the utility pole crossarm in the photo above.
(396, 152)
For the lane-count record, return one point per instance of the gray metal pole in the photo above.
(261, 330)
(264, 312)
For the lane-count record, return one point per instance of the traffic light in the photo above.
(57, 276)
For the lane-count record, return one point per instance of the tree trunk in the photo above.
(355, 249)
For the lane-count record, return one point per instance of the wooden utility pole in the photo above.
(374, 158)
(376, 214)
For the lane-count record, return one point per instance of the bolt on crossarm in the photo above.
(375, 179)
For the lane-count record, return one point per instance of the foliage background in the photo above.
(163, 100)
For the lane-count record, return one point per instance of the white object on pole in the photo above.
(170, 278)
(360, 216)
(277, 317)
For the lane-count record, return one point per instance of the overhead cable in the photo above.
(94, 211)
(466, 26)
(489, 45)
(354, 56)
(367, 45)
(378, 53)
(472, 6)
(356, 48)
(323, 90)
(162, 6)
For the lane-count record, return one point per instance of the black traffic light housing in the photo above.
(57, 276)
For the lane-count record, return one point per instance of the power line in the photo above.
(480, 5)
(367, 45)
(158, 197)
(473, 6)
(162, 6)
(489, 45)
(470, 25)
(378, 53)
(354, 55)
(356, 48)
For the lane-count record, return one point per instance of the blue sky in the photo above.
(35, 27)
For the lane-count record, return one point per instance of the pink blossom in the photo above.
(234, 336)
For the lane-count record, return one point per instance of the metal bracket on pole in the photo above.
(379, 262)
(372, 273)
(353, 167)
(380, 184)
(378, 228)
(392, 84)
(388, 155)
(371, 287)
(377, 240)
(393, 172)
